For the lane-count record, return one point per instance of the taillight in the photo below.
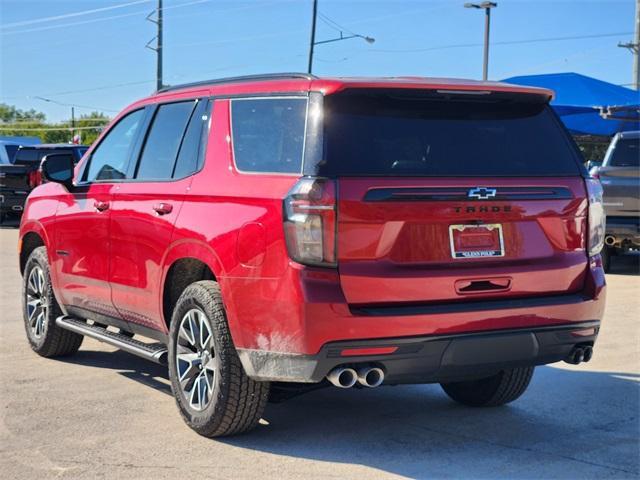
(310, 222)
(34, 178)
(596, 217)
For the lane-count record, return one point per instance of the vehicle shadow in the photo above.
(627, 264)
(129, 366)
(10, 223)
(569, 424)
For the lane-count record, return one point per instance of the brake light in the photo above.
(310, 222)
(596, 219)
(34, 178)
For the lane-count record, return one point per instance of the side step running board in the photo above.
(155, 352)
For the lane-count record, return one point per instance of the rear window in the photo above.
(11, 152)
(401, 135)
(28, 156)
(626, 153)
(268, 134)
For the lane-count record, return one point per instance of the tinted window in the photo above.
(79, 153)
(11, 152)
(400, 135)
(161, 148)
(626, 153)
(268, 134)
(191, 149)
(109, 159)
(27, 156)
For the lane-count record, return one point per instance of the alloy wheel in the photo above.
(37, 303)
(195, 359)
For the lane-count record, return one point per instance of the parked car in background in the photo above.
(20, 176)
(268, 235)
(619, 175)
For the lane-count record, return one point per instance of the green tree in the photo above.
(97, 121)
(16, 122)
(9, 113)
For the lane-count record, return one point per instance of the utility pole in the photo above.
(634, 48)
(487, 23)
(312, 43)
(158, 47)
(73, 123)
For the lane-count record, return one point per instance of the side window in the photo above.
(163, 141)
(109, 160)
(192, 147)
(268, 134)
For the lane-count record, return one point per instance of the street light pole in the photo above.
(342, 36)
(312, 43)
(487, 6)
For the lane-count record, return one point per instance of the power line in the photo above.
(335, 25)
(93, 89)
(30, 129)
(101, 19)
(88, 107)
(70, 15)
(506, 42)
(36, 120)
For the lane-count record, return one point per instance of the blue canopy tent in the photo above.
(588, 106)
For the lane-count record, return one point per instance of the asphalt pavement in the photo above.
(105, 414)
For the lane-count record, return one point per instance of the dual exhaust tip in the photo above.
(579, 355)
(347, 377)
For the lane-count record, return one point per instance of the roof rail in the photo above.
(244, 78)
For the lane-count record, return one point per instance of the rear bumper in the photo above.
(12, 203)
(427, 359)
(624, 230)
(434, 342)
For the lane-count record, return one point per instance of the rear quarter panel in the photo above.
(233, 223)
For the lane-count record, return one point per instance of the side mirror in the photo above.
(58, 168)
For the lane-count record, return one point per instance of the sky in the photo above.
(98, 60)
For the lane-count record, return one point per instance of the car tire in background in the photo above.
(606, 254)
(214, 395)
(40, 310)
(499, 389)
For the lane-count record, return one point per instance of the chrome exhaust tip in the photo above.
(610, 240)
(370, 376)
(343, 377)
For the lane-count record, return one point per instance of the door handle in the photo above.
(163, 208)
(101, 206)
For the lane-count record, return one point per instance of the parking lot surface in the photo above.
(105, 414)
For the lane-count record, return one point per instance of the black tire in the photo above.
(235, 403)
(500, 389)
(40, 310)
(606, 258)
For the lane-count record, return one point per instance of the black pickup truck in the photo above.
(22, 175)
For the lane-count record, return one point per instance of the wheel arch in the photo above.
(188, 262)
(28, 243)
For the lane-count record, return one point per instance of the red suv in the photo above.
(267, 235)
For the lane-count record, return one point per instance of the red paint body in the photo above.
(116, 261)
